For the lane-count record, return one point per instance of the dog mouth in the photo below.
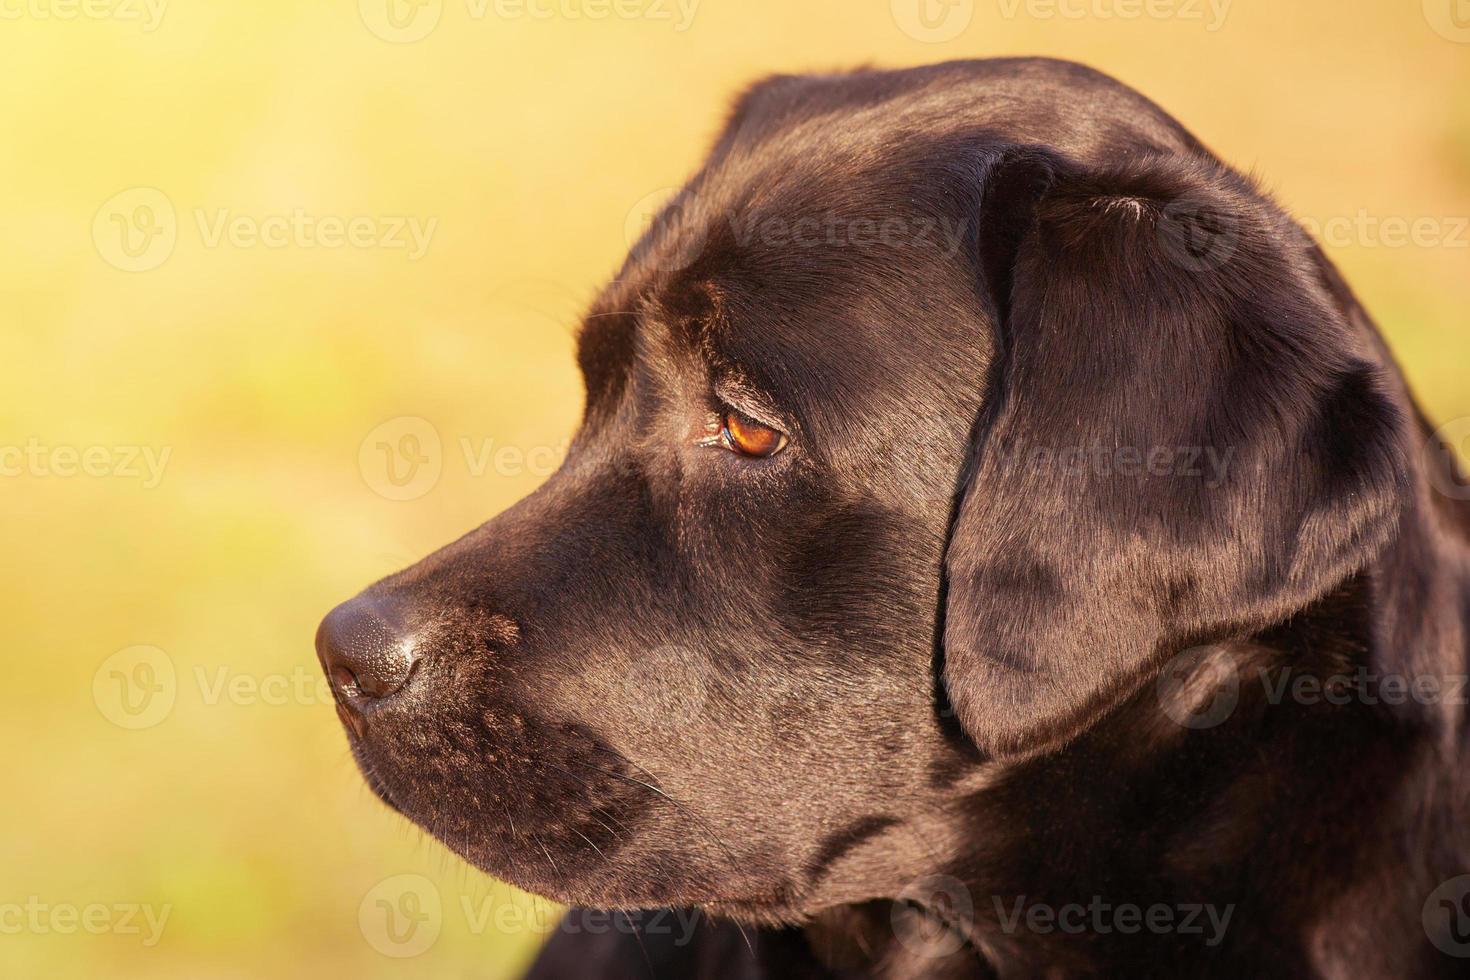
(536, 803)
(554, 810)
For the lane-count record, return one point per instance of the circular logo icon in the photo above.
(1197, 234)
(1446, 452)
(136, 230)
(401, 21)
(1199, 687)
(933, 916)
(136, 687)
(669, 226)
(401, 916)
(1446, 917)
(401, 459)
(933, 21)
(1450, 19)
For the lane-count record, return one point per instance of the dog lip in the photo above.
(351, 720)
(373, 781)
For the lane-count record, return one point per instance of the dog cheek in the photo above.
(864, 574)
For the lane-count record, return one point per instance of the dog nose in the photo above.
(366, 652)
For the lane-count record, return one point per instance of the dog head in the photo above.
(916, 437)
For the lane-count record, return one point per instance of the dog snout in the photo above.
(367, 654)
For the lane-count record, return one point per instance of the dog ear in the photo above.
(1184, 441)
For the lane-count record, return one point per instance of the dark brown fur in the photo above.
(861, 701)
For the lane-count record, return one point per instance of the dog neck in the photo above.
(1153, 844)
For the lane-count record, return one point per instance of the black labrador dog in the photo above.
(997, 544)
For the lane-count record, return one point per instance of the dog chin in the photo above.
(371, 777)
(567, 879)
(527, 868)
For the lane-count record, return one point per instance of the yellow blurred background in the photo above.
(251, 249)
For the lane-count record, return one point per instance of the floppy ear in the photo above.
(1185, 441)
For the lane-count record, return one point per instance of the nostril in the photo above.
(365, 651)
(344, 681)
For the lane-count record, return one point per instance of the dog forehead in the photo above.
(835, 221)
(842, 298)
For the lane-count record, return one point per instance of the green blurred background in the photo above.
(168, 746)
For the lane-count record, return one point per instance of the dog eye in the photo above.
(749, 438)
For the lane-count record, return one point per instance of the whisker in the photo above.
(639, 936)
(607, 827)
(704, 825)
(653, 788)
(743, 936)
(590, 844)
(541, 844)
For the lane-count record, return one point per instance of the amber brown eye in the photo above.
(750, 438)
